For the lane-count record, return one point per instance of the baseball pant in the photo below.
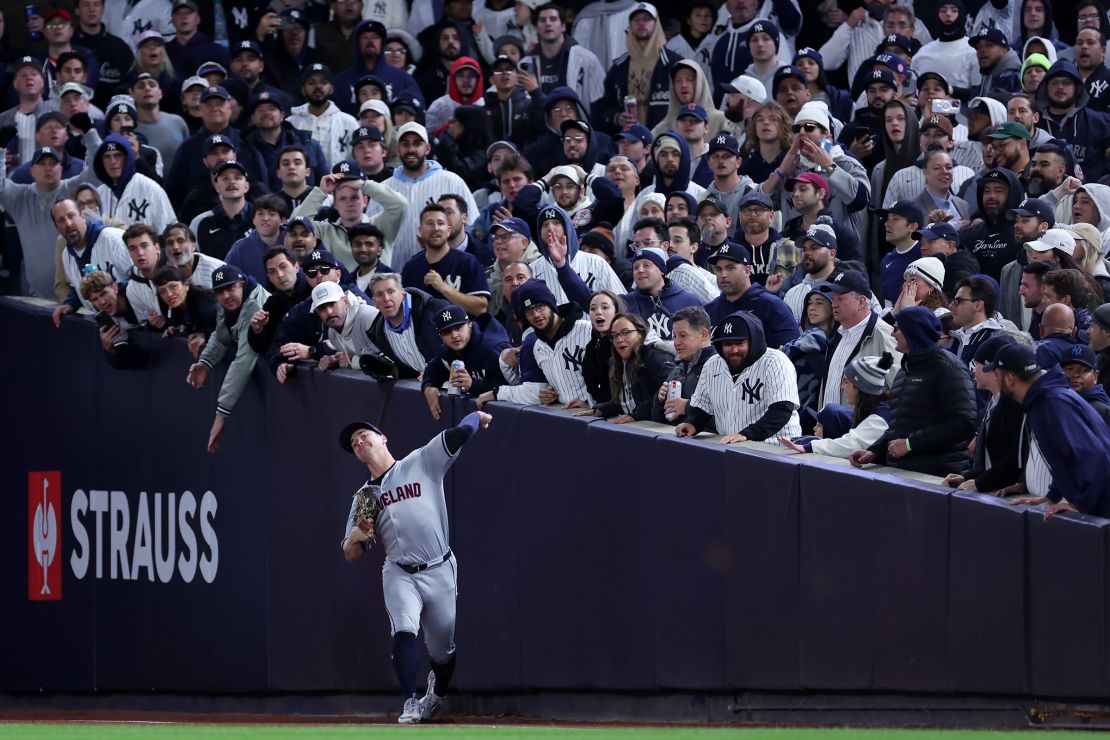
(423, 600)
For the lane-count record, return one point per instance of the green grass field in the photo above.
(502, 732)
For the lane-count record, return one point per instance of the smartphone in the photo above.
(526, 66)
(104, 321)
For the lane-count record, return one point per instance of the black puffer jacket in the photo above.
(932, 404)
(655, 368)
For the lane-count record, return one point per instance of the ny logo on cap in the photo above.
(25, 60)
(721, 139)
(891, 39)
(877, 74)
(934, 119)
(527, 302)
(244, 44)
(263, 95)
(213, 88)
(691, 106)
(316, 255)
(728, 328)
(550, 213)
(838, 278)
(757, 28)
(1077, 350)
(363, 131)
(344, 167)
(446, 315)
(1023, 202)
(111, 147)
(724, 249)
(121, 108)
(218, 275)
(812, 231)
(316, 67)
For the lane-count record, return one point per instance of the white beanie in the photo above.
(929, 269)
(816, 111)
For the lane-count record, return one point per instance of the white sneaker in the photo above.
(411, 715)
(430, 703)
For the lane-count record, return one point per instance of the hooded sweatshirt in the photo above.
(481, 355)
(777, 321)
(760, 401)
(703, 96)
(658, 311)
(104, 248)
(950, 54)
(434, 183)
(546, 149)
(440, 109)
(1086, 131)
(574, 66)
(398, 84)
(992, 240)
(1074, 441)
(331, 129)
(132, 198)
(1004, 76)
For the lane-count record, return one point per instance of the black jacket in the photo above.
(595, 367)
(992, 242)
(277, 305)
(611, 103)
(424, 308)
(1000, 437)
(656, 368)
(688, 375)
(512, 119)
(957, 266)
(932, 404)
(481, 356)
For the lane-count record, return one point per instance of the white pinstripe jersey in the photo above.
(561, 366)
(735, 404)
(701, 283)
(1038, 476)
(594, 271)
(428, 188)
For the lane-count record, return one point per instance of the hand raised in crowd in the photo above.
(862, 145)
(435, 281)
(328, 182)
(268, 24)
(527, 81)
(60, 311)
(557, 249)
(499, 214)
(81, 121)
(108, 336)
(197, 375)
(1067, 187)
(908, 296)
(856, 17)
(813, 153)
(774, 282)
(790, 160)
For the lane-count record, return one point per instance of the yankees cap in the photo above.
(938, 230)
(725, 143)
(304, 222)
(215, 91)
(734, 252)
(348, 169)
(319, 256)
(822, 235)
(733, 327)
(349, 431)
(1080, 354)
(226, 275)
(316, 69)
(513, 225)
(1034, 207)
(1016, 358)
(366, 133)
(216, 140)
(450, 317)
(231, 164)
(849, 281)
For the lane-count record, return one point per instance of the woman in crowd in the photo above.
(637, 368)
(921, 285)
(402, 51)
(808, 351)
(603, 308)
(901, 148)
(188, 311)
(1088, 255)
(863, 387)
(839, 101)
(768, 139)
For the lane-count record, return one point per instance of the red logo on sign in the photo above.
(44, 535)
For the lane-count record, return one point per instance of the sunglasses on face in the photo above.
(809, 128)
(314, 271)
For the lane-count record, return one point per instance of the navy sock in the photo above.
(443, 673)
(406, 662)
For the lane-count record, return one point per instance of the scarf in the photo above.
(641, 67)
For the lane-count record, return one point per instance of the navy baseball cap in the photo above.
(514, 225)
(45, 151)
(210, 68)
(938, 230)
(412, 105)
(1080, 354)
(693, 109)
(733, 327)
(231, 164)
(27, 62)
(782, 73)
(304, 221)
(582, 126)
(247, 45)
(849, 281)
(906, 209)
(756, 198)
(934, 76)
(1016, 358)
(449, 317)
(881, 76)
(316, 69)
(893, 62)
(992, 34)
(734, 252)
(366, 133)
(320, 256)
(374, 81)
(296, 15)
(715, 202)
(215, 91)
(226, 275)
(988, 349)
(636, 132)
(821, 234)
(350, 429)
(348, 169)
(808, 52)
(905, 43)
(262, 99)
(1033, 207)
(724, 142)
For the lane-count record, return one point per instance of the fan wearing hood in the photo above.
(999, 65)
(239, 297)
(1062, 99)
(125, 194)
(546, 149)
(670, 155)
(1090, 59)
(1036, 20)
(749, 390)
(990, 238)
(949, 54)
(689, 85)
(465, 86)
(932, 403)
(643, 73)
(367, 42)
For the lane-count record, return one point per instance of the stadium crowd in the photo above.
(880, 233)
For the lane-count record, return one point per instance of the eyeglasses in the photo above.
(958, 301)
(644, 244)
(576, 139)
(1088, 17)
(56, 26)
(563, 109)
(321, 270)
(809, 128)
(394, 52)
(503, 72)
(504, 236)
(614, 336)
(535, 308)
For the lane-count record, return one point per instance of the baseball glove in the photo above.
(366, 511)
(378, 366)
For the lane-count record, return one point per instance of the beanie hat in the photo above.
(1035, 60)
(929, 269)
(835, 420)
(733, 327)
(919, 326)
(599, 237)
(816, 111)
(653, 254)
(531, 293)
(767, 27)
(869, 373)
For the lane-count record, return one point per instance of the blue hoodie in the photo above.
(398, 83)
(657, 312)
(1086, 131)
(481, 356)
(546, 151)
(246, 254)
(117, 142)
(682, 178)
(1074, 440)
(778, 320)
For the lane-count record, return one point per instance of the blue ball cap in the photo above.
(733, 252)
(320, 256)
(450, 317)
(1080, 354)
(693, 109)
(226, 275)
(907, 209)
(1016, 358)
(848, 281)
(938, 230)
(636, 132)
(514, 225)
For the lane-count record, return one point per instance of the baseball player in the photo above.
(419, 573)
(749, 390)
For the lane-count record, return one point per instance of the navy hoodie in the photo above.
(681, 180)
(546, 149)
(778, 320)
(481, 355)
(398, 83)
(1074, 440)
(657, 312)
(1087, 131)
(116, 186)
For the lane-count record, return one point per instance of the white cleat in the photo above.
(430, 703)
(411, 715)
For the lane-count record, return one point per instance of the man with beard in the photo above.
(87, 243)
(749, 390)
(1067, 439)
(655, 298)
(1032, 292)
(941, 240)
(855, 40)
(443, 272)
(715, 224)
(774, 258)
(458, 236)
(728, 185)
(367, 241)
(1011, 148)
(329, 126)
(1032, 218)
(437, 66)
(558, 61)
(732, 263)
(272, 134)
(419, 180)
(1063, 100)
(477, 343)
(999, 67)
(248, 65)
(180, 247)
(809, 193)
(742, 97)
(1020, 109)
(288, 287)
(300, 237)
(270, 213)
(729, 56)
(366, 49)
(1049, 169)
(334, 37)
(347, 319)
(239, 298)
(820, 263)
(642, 73)
(990, 237)
(1090, 58)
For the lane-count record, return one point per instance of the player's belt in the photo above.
(421, 567)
